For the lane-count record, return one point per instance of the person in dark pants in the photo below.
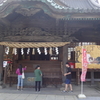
(38, 78)
(68, 78)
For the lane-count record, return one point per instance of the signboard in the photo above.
(93, 56)
(5, 63)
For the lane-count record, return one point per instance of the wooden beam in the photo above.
(65, 59)
(92, 77)
(1, 61)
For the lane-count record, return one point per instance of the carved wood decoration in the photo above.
(37, 28)
(37, 22)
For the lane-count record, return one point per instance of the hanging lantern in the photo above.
(22, 51)
(7, 50)
(57, 52)
(38, 50)
(14, 51)
(50, 50)
(28, 50)
(45, 50)
(33, 51)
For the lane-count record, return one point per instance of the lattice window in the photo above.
(88, 43)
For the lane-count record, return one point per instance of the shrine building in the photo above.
(49, 33)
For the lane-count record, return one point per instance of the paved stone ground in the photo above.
(9, 96)
(50, 93)
(91, 98)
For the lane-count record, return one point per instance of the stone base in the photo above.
(81, 96)
(2, 86)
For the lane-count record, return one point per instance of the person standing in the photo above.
(20, 79)
(38, 78)
(68, 79)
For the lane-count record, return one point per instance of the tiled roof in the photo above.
(78, 4)
(2, 2)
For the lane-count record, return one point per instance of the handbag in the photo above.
(23, 75)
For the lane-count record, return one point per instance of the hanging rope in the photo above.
(33, 44)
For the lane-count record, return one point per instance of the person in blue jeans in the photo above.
(68, 78)
(19, 73)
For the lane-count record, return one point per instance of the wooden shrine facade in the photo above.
(49, 21)
(53, 69)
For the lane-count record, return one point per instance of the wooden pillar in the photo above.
(78, 76)
(92, 77)
(60, 56)
(1, 61)
(65, 59)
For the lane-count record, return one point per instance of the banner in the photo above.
(84, 65)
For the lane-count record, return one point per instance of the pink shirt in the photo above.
(18, 71)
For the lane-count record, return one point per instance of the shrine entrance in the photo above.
(48, 55)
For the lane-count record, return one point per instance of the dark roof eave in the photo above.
(74, 10)
(81, 19)
(67, 10)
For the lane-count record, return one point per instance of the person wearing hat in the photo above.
(38, 78)
(68, 79)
